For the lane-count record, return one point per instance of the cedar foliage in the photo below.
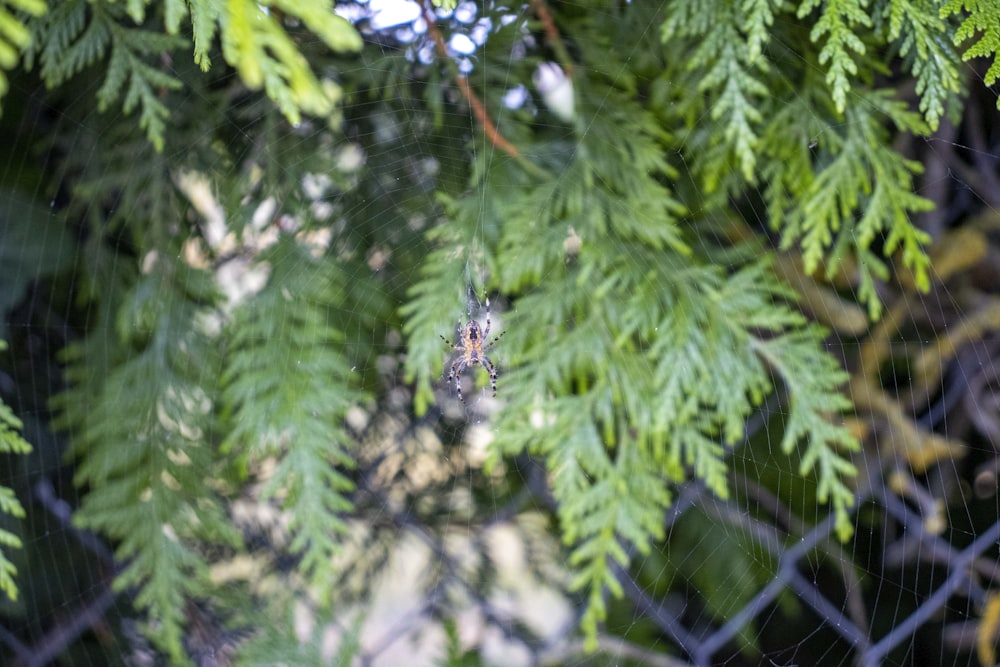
(643, 326)
(12, 442)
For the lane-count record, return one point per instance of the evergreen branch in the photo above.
(10, 442)
(8, 571)
(617, 179)
(627, 303)
(812, 380)
(788, 169)
(174, 12)
(140, 429)
(705, 361)
(602, 502)
(78, 33)
(729, 40)
(864, 190)
(933, 60)
(15, 36)
(833, 197)
(432, 304)
(127, 48)
(256, 45)
(478, 109)
(252, 31)
(136, 185)
(870, 268)
(690, 447)
(288, 387)
(837, 21)
(321, 19)
(253, 42)
(552, 35)
(757, 19)
(981, 25)
(60, 44)
(205, 16)
(631, 360)
(704, 334)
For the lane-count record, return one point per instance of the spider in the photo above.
(473, 345)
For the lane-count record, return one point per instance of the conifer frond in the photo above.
(633, 354)
(727, 43)
(254, 42)
(15, 36)
(143, 189)
(603, 505)
(982, 24)
(145, 83)
(626, 361)
(650, 365)
(54, 42)
(79, 33)
(437, 300)
(756, 21)
(813, 382)
(288, 386)
(836, 23)
(861, 190)
(820, 184)
(204, 24)
(10, 442)
(9, 504)
(924, 44)
(141, 428)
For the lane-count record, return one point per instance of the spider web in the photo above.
(451, 557)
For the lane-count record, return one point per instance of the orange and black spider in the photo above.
(473, 346)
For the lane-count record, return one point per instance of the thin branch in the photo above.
(55, 641)
(62, 635)
(479, 111)
(553, 36)
(478, 108)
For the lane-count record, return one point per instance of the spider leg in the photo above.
(458, 386)
(494, 341)
(491, 368)
(450, 344)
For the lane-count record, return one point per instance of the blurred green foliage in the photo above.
(299, 191)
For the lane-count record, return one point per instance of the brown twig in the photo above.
(479, 111)
(552, 34)
(478, 108)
